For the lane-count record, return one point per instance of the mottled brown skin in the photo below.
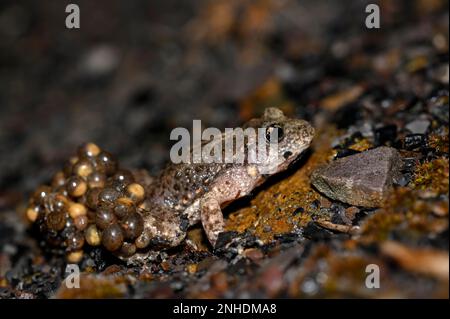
(185, 194)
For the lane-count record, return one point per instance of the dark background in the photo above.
(136, 69)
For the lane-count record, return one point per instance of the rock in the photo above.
(338, 215)
(254, 254)
(441, 73)
(362, 180)
(99, 61)
(414, 141)
(418, 126)
(225, 238)
(346, 152)
(385, 134)
(351, 212)
(316, 233)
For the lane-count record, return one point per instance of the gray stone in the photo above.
(362, 179)
(441, 73)
(418, 126)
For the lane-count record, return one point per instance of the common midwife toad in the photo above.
(94, 202)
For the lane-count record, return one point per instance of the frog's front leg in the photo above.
(233, 184)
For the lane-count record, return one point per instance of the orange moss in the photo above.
(405, 210)
(361, 145)
(95, 287)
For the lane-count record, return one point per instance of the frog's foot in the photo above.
(212, 219)
(141, 258)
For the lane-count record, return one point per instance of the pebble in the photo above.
(338, 215)
(351, 212)
(414, 141)
(254, 254)
(362, 180)
(99, 61)
(385, 134)
(441, 73)
(418, 126)
(272, 280)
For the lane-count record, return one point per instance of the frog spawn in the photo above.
(91, 202)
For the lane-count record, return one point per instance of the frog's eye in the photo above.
(274, 129)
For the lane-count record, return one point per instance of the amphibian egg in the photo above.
(92, 198)
(58, 203)
(83, 168)
(88, 150)
(56, 221)
(76, 210)
(41, 194)
(127, 249)
(58, 180)
(133, 226)
(96, 179)
(108, 196)
(81, 222)
(124, 176)
(76, 186)
(92, 236)
(104, 217)
(75, 256)
(112, 237)
(136, 192)
(32, 213)
(123, 207)
(75, 241)
(106, 163)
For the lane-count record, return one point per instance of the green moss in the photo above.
(432, 176)
(439, 142)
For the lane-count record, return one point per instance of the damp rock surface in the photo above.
(362, 179)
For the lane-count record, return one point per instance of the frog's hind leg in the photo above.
(163, 227)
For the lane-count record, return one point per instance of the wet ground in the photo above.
(136, 70)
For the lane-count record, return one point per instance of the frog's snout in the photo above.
(308, 132)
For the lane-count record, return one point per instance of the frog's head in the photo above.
(288, 137)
